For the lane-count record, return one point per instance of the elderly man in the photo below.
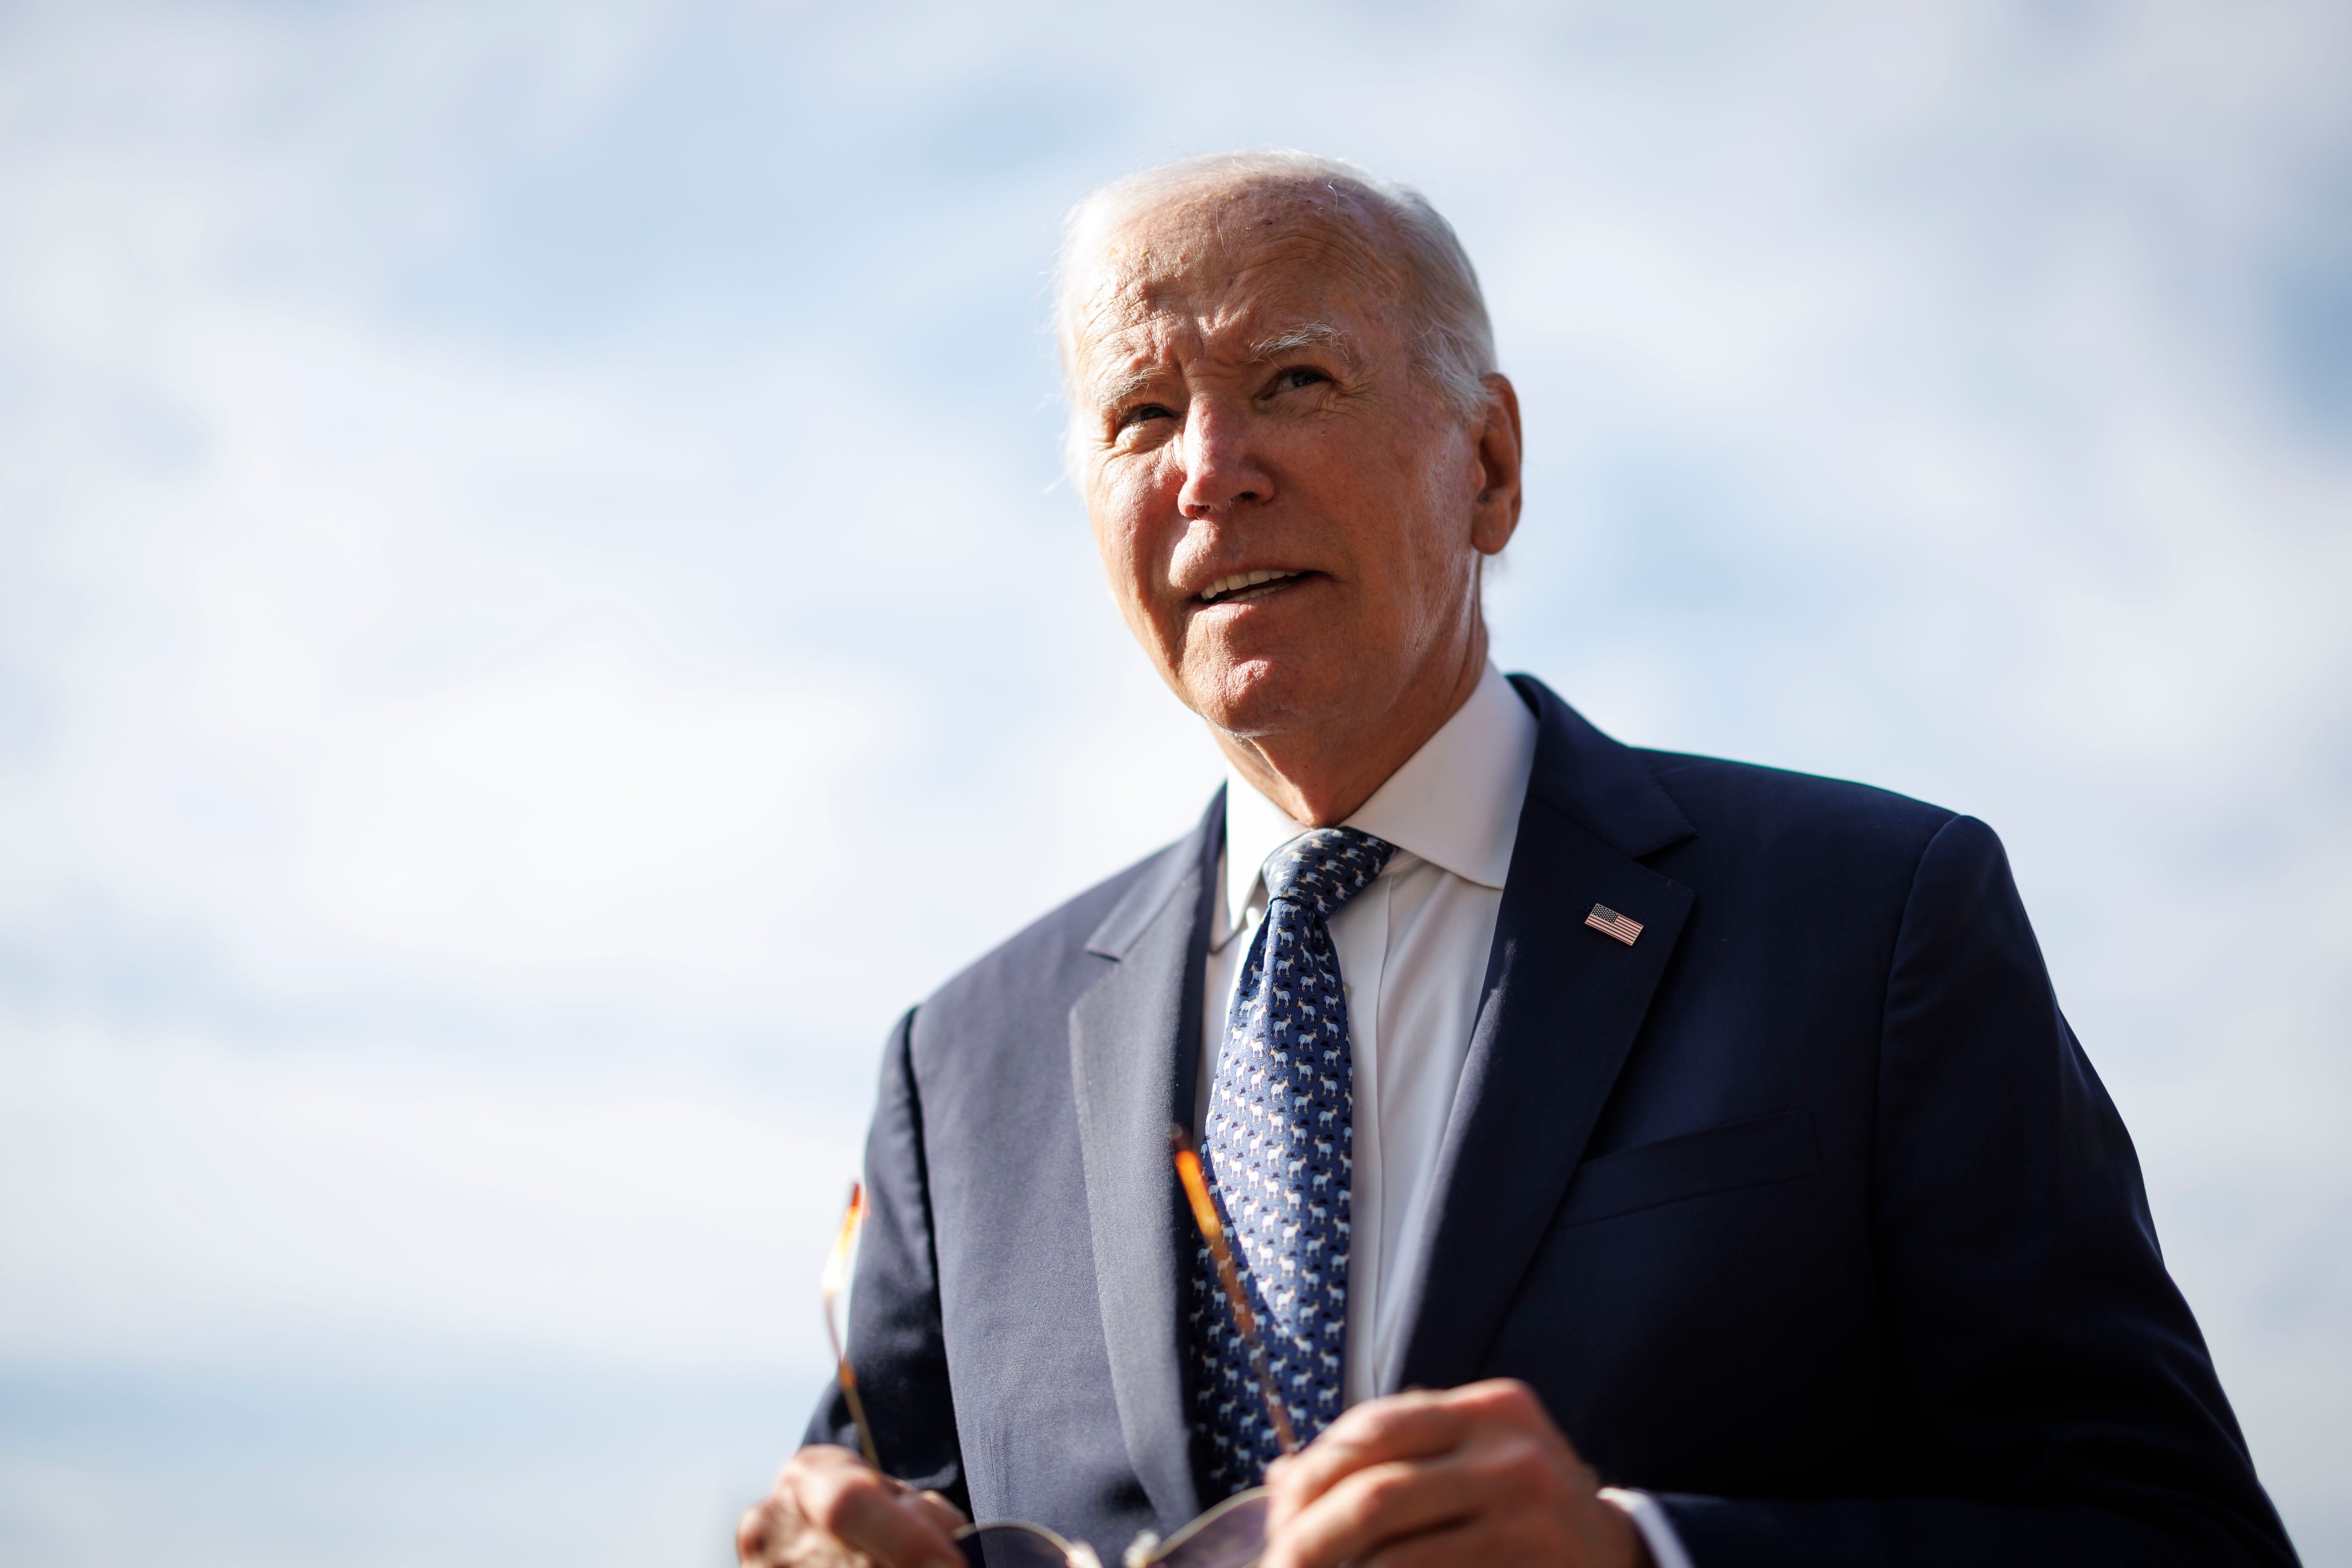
(1633, 1156)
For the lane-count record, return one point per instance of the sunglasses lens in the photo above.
(1230, 1536)
(1011, 1546)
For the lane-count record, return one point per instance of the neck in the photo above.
(1320, 774)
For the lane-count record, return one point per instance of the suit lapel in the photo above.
(1561, 1004)
(1134, 1059)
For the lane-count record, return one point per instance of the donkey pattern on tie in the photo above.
(1278, 1153)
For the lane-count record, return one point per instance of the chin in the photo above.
(1262, 696)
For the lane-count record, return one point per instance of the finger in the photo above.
(1379, 1431)
(1507, 1474)
(1509, 1401)
(1379, 1505)
(1507, 1405)
(835, 1491)
(1442, 1548)
(949, 1517)
(895, 1533)
(1609, 1541)
(1478, 1541)
(765, 1534)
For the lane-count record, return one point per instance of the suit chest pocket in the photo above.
(1693, 1164)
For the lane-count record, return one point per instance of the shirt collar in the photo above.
(1454, 803)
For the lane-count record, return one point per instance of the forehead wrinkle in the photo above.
(1112, 388)
(1114, 384)
(1305, 232)
(1147, 316)
(1130, 357)
(1177, 271)
(1240, 240)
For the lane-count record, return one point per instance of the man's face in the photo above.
(1284, 510)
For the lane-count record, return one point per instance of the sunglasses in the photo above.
(1229, 1535)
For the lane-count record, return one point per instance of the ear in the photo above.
(1495, 511)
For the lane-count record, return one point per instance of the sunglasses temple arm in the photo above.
(1205, 1217)
(848, 1381)
(1276, 1413)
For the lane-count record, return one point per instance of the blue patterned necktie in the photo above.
(1278, 1153)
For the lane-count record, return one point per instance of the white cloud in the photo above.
(175, 1204)
(576, 810)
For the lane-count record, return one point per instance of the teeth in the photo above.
(1240, 580)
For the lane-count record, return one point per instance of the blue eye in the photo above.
(1144, 411)
(1302, 375)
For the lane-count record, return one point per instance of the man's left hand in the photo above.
(1474, 1475)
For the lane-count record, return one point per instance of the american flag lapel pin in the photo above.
(1624, 928)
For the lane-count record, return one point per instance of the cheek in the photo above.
(1112, 513)
(1449, 489)
(1135, 532)
(1134, 549)
(1440, 542)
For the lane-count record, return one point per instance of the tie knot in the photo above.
(1323, 870)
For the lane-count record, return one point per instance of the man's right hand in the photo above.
(829, 1509)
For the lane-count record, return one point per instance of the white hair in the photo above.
(1452, 340)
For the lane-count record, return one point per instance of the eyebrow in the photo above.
(1112, 388)
(1306, 335)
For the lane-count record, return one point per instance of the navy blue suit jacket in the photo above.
(1804, 1211)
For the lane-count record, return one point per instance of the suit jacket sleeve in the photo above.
(2057, 1403)
(894, 1341)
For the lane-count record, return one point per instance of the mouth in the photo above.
(1243, 586)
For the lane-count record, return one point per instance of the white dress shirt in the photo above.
(1412, 951)
(1413, 959)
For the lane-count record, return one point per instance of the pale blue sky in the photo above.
(540, 615)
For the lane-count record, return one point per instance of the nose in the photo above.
(1221, 470)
